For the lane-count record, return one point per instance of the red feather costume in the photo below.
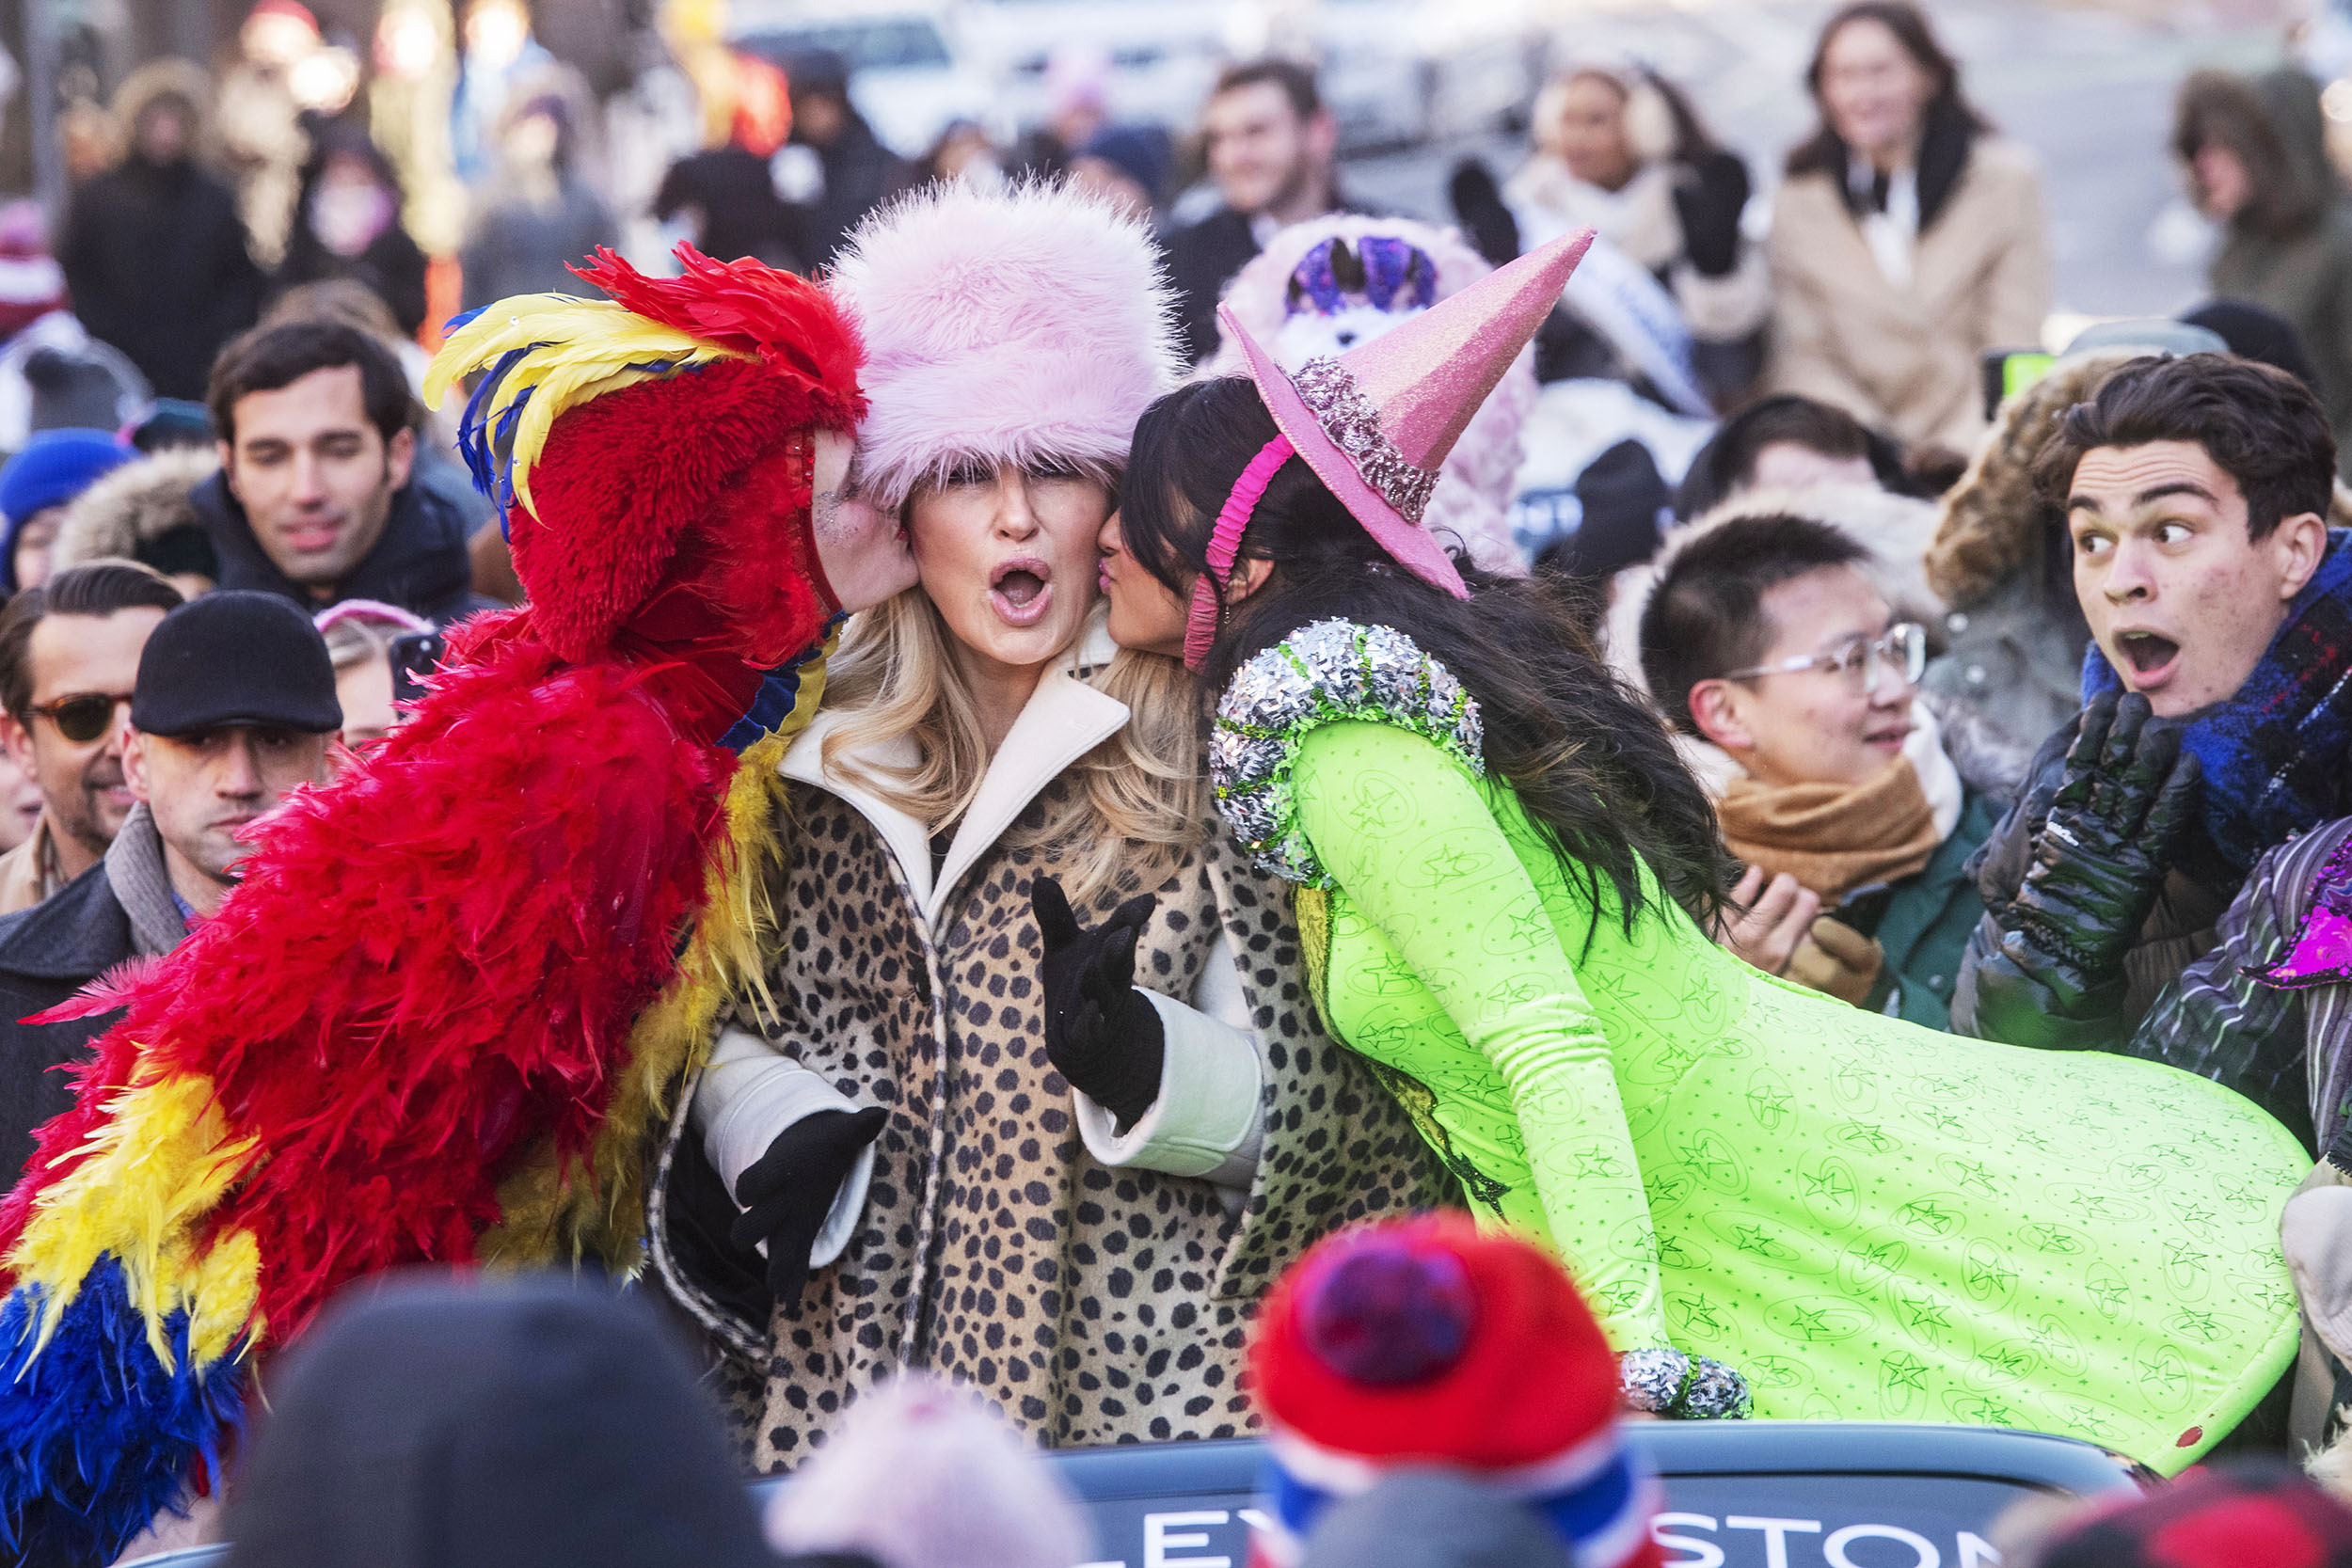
(440, 1010)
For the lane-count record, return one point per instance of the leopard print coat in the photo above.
(1091, 1305)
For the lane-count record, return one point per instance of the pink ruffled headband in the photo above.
(1225, 543)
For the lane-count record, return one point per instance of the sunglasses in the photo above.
(83, 716)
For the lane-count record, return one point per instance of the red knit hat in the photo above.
(1427, 1342)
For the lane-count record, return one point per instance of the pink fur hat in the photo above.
(1009, 326)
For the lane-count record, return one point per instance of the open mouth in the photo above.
(1888, 739)
(2147, 653)
(1019, 589)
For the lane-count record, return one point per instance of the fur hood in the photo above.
(1993, 521)
(1012, 326)
(135, 505)
(165, 78)
(1480, 477)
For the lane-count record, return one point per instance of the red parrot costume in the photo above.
(440, 1013)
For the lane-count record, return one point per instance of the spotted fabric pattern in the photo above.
(1091, 1304)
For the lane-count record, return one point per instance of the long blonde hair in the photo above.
(1138, 802)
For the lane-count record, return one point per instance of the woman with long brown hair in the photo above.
(1764, 1193)
(1908, 238)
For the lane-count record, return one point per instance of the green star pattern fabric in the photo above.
(1870, 1220)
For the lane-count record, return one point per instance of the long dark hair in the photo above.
(1822, 153)
(1588, 760)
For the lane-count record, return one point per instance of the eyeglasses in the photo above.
(1903, 649)
(83, 716)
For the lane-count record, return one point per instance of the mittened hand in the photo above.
(1100, 1033)
(787, 1192)
(2101, 858)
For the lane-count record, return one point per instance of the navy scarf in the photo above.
(2277, 752)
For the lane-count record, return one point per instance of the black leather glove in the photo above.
(1100, 1033)
(787, 1192)
(2097, 866)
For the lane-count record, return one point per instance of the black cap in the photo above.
(232, 659)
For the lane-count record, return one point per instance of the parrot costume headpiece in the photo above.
(604, 428)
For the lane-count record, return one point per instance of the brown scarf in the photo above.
(1832, 838)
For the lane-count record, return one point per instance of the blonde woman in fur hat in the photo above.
(894, 1122)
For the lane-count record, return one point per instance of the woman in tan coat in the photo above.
(1907, 240)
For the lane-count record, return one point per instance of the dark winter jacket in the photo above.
(392, 268)
(860, 175)
(419, 564)
(2288, 1050)
(53, 949)
(741, 212)
(1201, 259)
(158, 263)
(1925, 931)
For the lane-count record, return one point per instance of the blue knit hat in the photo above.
(54, 467)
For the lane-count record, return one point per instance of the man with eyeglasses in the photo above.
(69, 653)
(233, 705)
(1774, 654)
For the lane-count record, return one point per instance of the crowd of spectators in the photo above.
(2025, 715)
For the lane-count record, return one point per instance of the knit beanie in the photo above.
(1425, 1342)
(32, 284)
(54, 467)
(2227, 1516)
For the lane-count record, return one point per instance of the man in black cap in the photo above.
(234, 706)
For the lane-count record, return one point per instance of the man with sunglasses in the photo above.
(233, 706)
(69, 653)
(1769, 647)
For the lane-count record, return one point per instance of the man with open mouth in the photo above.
(2197, 491)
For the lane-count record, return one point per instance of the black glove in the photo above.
(787, 1192)
(1100, 1033)
(1482, 213)
(2097, 866)
(1710, 192)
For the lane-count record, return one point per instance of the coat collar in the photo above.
(419, 563)
(72, 938)
(1064, 719)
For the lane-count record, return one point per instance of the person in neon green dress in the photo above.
(1865, 1219)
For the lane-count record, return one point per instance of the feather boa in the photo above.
(431, 1025)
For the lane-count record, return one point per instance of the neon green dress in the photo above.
(1870, 1220)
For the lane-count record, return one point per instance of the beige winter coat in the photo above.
(1907, 359)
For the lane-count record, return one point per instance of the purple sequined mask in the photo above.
(1397, 276)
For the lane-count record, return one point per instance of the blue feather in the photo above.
(96, 1436)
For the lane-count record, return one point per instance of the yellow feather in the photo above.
(576, 349)
(161, 1160)
(548, 1214)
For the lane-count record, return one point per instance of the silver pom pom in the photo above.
(1715, 1392)
(1652, 1379)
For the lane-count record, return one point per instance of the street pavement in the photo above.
(2091, 90)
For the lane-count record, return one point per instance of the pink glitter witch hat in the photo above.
(1376, 422)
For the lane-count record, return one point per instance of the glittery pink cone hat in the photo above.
(1376, 423)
